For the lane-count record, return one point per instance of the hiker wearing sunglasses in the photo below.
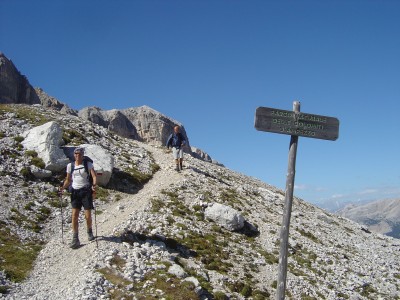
(81, 181)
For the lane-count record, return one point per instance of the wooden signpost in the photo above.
(295, 124)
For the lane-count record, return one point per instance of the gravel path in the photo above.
(64, 273)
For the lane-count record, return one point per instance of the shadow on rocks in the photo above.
(249, 230)
(111, 239)
(124, 182)
(172, 245)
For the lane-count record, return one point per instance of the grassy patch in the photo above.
(38, 162)
(16, 258)
(25, 113)
(308, 235)
(102, 194)
(73, 137)
(173, 288)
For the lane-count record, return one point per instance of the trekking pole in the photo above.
(95, 219)
(62, 215)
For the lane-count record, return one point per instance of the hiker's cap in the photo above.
(79, 150)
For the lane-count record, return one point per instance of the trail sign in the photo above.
(296, 123)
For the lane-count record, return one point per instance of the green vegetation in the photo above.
(16, 257)
(230, 197)
(102, 194)
(18, 139)
(73, 137)
(28, 222)
(308, 235)
(38, 162)
(25, 113)
(156, 205)
(27, 173)
(31, 153)
(367, 290)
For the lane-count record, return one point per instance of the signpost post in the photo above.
(295, 124)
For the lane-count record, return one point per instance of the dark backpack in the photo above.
(86, 160)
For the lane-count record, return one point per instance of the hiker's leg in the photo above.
(75, 217)
(88, 217)
(181, 163)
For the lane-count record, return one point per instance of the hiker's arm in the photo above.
(66, 183)
(93, 173)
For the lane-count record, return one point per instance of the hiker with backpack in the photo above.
(81, 178)
(176, 140)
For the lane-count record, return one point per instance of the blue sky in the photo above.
(210, 64)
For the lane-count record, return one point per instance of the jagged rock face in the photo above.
(153, 126)
(201, 154)
(14, 87)
(120, 124)
(53, 103)
(141, 123)
(113, 120)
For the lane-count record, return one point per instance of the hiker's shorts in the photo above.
(82, 197)
(177, 152)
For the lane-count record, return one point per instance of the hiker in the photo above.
(176, 140)
(81, 193)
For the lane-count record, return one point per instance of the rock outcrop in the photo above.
(46, 141)
(15, 87)
(141, 123)
(52, 103)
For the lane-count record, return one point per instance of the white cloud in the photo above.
(301, 187)
(368, 192)
(338, 196)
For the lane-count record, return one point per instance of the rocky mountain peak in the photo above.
(15, 87)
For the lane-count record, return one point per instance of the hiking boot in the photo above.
(75, 243)
(181, 166)
(90, 236)
(177, 168)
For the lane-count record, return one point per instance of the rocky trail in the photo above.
(64, 273)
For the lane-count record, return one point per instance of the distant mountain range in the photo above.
(382, 216)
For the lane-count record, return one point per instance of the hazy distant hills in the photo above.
(381, 216)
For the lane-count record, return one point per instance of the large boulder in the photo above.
(15, 87)
(46, 141)
(103, 161)
(225, 216)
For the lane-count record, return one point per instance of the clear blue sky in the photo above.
(210, 64)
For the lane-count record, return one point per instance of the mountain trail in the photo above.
(60, 271)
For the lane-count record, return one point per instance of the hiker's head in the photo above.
(78, 152)
(176, 128)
